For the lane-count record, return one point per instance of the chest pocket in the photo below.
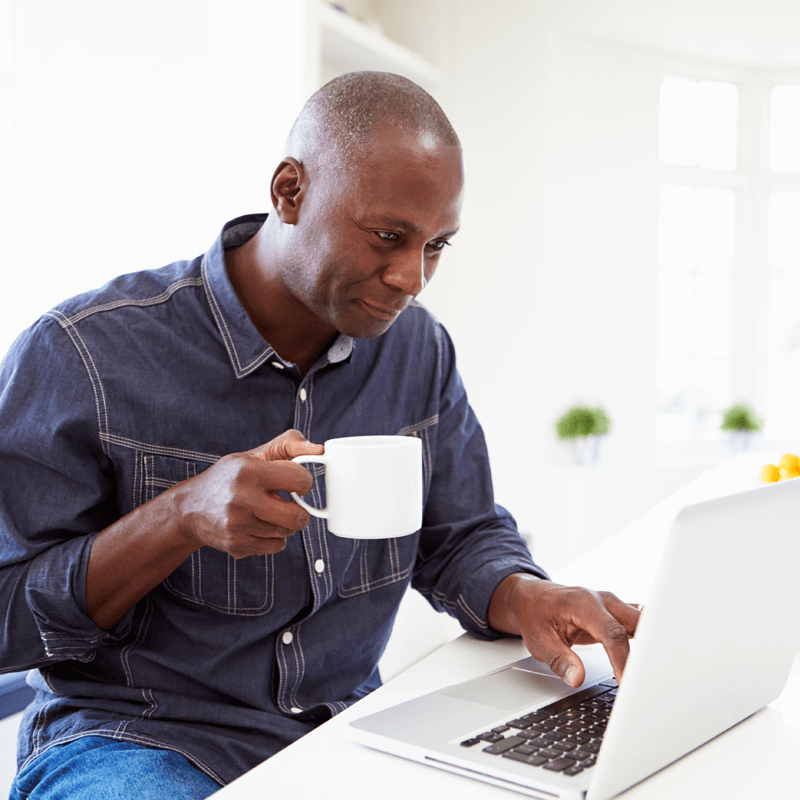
(378, 562)
(209, 577)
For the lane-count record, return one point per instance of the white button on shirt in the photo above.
(287, 637)
(303, 395)
(319, 565)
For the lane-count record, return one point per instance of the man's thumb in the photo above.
(289, 444)
(569, 667)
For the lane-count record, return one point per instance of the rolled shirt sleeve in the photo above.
(54, 498)
(468, 543)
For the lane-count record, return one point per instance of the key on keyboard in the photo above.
(564, 736)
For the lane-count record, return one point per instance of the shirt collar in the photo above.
(246, 347)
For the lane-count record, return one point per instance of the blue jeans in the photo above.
(98, 768)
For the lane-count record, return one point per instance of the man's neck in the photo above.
(290, 328)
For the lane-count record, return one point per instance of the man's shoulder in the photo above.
(416, 320)
(417, 325)
(416, 336)
(143, 289)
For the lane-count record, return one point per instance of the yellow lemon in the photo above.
(790, 462)
(770, 474)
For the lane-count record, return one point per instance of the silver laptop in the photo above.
(716, 643)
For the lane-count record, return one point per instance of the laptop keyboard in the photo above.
(562, 737)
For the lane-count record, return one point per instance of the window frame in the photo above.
(752, 182)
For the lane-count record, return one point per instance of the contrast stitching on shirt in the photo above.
(309, 404)
(470, 613)
(52, 651)
(45, 675)
(394, 558)
(191, 472)
(427, 460)
(280, 649)
(91, 371)
(378, 583)
(142, 303)
(195, 572)
(155, 449)
(326, 552)
(419, 426)
(125, 655)
(452, 606)
(229, 569)
(269, 578)
(336, 706)
(241, 370)
(364, 565)
(136, 490)
(217, 312)
(147, 464)
(153, 703)
(439, 597)
(309, 534)
(301, 666)
(66, 637)
(40, 723)
(368, 585)
(227, 607)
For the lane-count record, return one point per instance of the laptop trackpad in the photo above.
(509, 689)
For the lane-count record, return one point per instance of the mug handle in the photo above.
(315, 512)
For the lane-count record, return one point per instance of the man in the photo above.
(181, 630)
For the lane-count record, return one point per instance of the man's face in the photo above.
(369, 239)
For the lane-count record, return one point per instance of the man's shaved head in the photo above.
(333, 131)
(365, 201)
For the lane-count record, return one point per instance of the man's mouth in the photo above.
(381, 312)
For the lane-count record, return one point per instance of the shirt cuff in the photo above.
(472, 607)
(56, 595)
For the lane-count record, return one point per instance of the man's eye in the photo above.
(439, 244)
(388, 236)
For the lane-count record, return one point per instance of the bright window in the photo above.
(782, 400)
(728, 258)
(698, 123)
(784, 151)
(696, 257)
(695, 324)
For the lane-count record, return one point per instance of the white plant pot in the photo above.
(586, 450)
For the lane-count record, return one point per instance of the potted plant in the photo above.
(741, 421)
(583, 426)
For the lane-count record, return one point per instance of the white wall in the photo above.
(107, 104)
(138, 129)
(597, 318)
(553, 301)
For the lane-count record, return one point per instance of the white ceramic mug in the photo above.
(373, 486)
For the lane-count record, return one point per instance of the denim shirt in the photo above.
(118, 394)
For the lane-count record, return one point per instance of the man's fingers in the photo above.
(566, 664)
(288, 445)
(282, 514)
(284, 476)
(627, 613)
(257, 544)
(612, 630)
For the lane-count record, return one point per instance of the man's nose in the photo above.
(406, 272)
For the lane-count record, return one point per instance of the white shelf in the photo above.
(348, 45)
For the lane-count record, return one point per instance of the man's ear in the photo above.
(287, 189)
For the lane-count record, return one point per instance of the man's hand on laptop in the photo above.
(551, 618)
